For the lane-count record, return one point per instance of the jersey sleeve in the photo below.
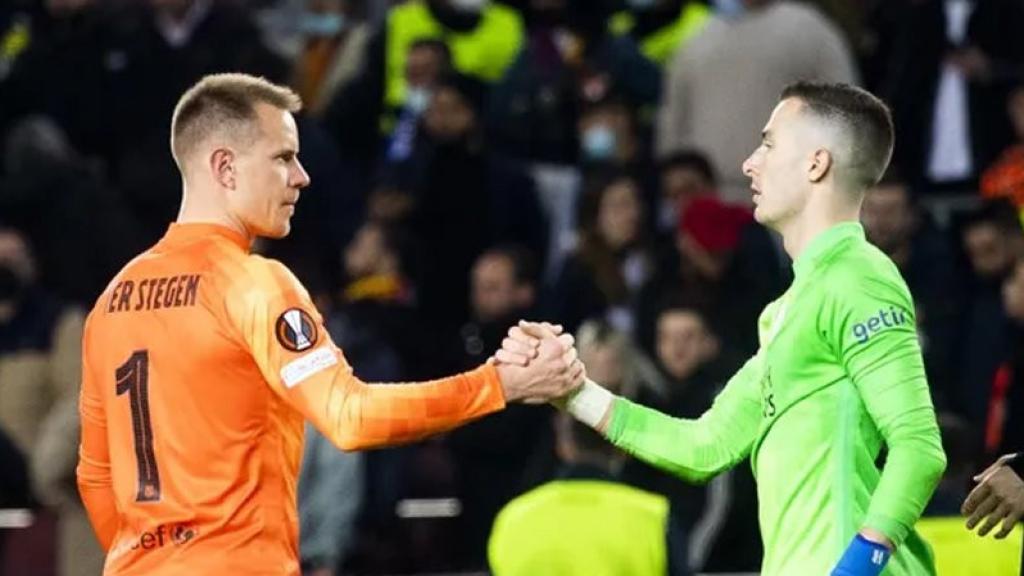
(93, 474)
(694, 450)
(284, 332)
(869, 322)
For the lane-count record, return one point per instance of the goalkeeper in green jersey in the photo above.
(838, 374)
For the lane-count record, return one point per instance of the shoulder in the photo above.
(258, 275)
(861, 283)
(860, 266)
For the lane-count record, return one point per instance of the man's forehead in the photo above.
(278, 124)
(783, 113)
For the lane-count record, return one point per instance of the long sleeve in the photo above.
(871, 324)
(285, 334)
(94, 479)
(694, 450)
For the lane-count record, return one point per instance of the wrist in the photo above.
(590, 404)
(863, 557)
(877, 537)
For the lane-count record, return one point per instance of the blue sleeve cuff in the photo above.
(862, 558)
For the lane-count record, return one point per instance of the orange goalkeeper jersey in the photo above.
(200, 362)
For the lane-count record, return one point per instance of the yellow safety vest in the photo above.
(581, 527)
(662, 44)
(484, 52)
(960, 552)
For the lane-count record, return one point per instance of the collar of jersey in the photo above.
(179, 232)
(821, 246)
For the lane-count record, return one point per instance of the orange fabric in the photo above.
(200, 363)
(1005, 178)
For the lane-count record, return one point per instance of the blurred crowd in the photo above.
(474, 162)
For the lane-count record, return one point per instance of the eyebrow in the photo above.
(765, 134)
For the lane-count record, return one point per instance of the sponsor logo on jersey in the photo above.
(162, 535)
(296, 330)
(863, 331)
(305, 366)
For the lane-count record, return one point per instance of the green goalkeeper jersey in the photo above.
(838, 375)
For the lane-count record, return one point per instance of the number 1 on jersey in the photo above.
(133, 378)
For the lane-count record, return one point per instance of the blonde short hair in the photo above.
(224, 104)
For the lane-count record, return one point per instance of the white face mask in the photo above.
(472, 6)
(322, 25)
(598, 143)
(417, 99)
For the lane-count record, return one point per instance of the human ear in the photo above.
(222, 166)
(821, 163)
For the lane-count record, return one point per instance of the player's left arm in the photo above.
(276, 320)
(870, 323)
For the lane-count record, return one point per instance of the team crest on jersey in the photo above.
(296, 330)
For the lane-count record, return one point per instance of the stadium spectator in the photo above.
(586, 520)
(614, 257)
(496, 458)
(720, 518)
(683, 175)
(992, 238)
(465, 200)
(79, 232)
(331, 49)
(950, 66)
(719, 254)
(40, 358)
(570, 58)
(482, 37)
(895, 222)
(720, 88)
(330, 499)
(1003, 429)
(660, 27)
(1005, 178)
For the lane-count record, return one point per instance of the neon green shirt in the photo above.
(838, 373)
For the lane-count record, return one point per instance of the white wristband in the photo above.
(590, 403)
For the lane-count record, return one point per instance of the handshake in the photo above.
(537, 363)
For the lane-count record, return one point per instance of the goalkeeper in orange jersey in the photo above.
(201, 361)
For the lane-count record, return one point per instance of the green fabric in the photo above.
(660, 46)
(581, 527)
(839, 373)
(484, 52)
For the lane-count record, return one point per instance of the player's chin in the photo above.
(280, 229)
(760, 215)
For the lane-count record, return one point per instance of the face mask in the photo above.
(473, 6)
(641, 5)
(417, 99)
(598, 143)
(322, 25)
(730, 8)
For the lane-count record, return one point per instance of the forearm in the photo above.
(97, 494)
(913, 468)
(695, 450)
(357, 416)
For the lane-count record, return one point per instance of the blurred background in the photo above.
(474, 162)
